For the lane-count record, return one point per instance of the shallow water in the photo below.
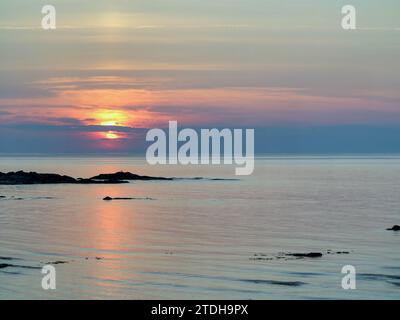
(198, 238)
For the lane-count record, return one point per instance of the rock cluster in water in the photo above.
(294, 255)
(21, 177)
(125, 176)
(108, 198)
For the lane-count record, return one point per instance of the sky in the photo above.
(114, 69)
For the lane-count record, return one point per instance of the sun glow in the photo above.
(111, 135)
(111, 118)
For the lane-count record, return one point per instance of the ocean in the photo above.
(203, 239)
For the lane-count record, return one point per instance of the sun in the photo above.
(111, 135)
(111, 118)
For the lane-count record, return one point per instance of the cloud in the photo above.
(102, 99)
(100, 82)
(64, 121)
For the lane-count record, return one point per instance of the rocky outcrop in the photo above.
(107, 181)
(21, 177)
(294, 255)
(125, 198)
(305, 255)
(125, 176)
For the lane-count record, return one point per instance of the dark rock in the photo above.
(21, 177)
(305, 255)
(7, 258)
(108, 181)
(14, 198)
(125, 176)
(275, 282)
(255, 258)
(395, 228)
(57, 262)
(94, 258)
(291, 256)
(6, 265)
(121, 198)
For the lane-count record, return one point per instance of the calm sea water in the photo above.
(198, 239)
